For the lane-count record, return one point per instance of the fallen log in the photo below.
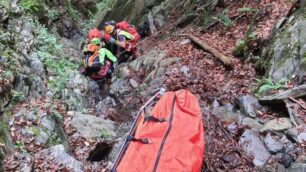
(224, 59)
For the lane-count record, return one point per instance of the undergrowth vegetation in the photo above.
(267, 85)
(51, 54)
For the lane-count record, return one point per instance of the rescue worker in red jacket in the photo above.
(123, 40)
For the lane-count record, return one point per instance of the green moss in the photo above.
(304, 62)
(105, 134)
(4, 134)
(262, 65)
(207, 18)
(35, 130)
(54, 140)
(32, 6)
(73, 13)
(240, 48)
(266, 85)
(4, 127)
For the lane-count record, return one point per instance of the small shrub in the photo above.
(224, 18)
(17, 96)
(32, 6)
(105, 134)
(267, 84)
(240, 48)
(19, 145)
(49, 49)
(8, 74)
(46, 42)
(242, 45)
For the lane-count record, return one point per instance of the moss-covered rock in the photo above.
(286, 54)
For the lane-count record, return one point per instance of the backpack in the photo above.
(94, 33)
(105, 69)
(88, 61)
(130, 29)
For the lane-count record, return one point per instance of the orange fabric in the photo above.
(183, 150)
(92, 48)
(92, 58)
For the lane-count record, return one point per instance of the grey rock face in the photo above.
(42, 137)
(273, 145)
(302, 137)
(104, 105)
(293, 133)
(77, 86)
(252, 123)
(252, 144)
(36, 65)
(226, 114)
(297, 167)
(277, 125)
(92, 127)
(120, 86)
(38, 88)
(133, 83)
(248, 105)
(288, 50)
(60, 156)
(3, 14)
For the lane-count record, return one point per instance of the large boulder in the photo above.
(57, 155)
(248, 105)
(227, 114)
(254, 147)
(77, 87)
(252, 123)
(89, 126)
(278, 124)
(287, 52)
(273, 144)
(23, 31)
